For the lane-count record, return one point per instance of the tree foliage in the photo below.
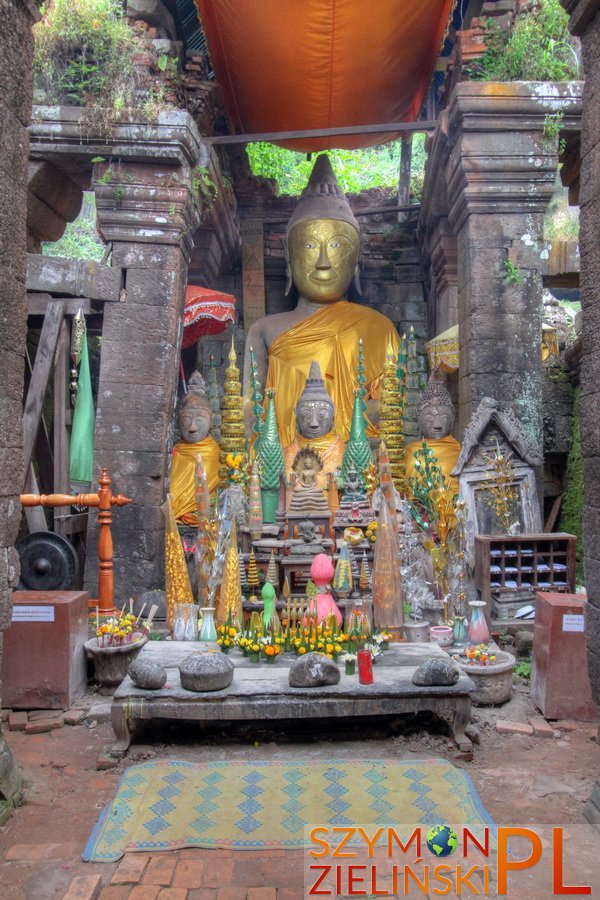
(539, 47)
(356, 170)
(81, 239)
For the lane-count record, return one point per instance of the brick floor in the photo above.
(84, 887)
(231, 893)
(188, 873)
(115, 892)
(130, 869)
(173, 894)
(145, 892)
(160, 869)
(261, 893)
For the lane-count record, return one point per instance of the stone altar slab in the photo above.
(261, 692)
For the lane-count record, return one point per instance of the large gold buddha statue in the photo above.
(315, 414)
(435, 421)
(322, 248)
(194, 421)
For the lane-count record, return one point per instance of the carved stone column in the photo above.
(16, 56)
(147, 211)
(500, 172)
(585, 22)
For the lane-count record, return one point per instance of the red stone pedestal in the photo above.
(560, 685)
(43, 662)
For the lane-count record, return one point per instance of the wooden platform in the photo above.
(260, 692)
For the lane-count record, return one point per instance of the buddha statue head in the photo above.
(314, 410)
(436, 410)
(322, 239)
(195, 417)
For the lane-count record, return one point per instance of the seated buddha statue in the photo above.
(307, 497)
(322, 248)
(314, 428)
(435, 421)
(194, 424)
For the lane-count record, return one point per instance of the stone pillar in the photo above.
(148, 212)
(16, 55)
(501, 171)
(585, 22)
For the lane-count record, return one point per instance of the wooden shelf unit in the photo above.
(523, 564)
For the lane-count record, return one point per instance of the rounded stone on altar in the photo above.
(203, 672)
(147, 674)
(313, 670)
(436, 672)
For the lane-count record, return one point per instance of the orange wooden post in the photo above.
(105, 548)
(104, 500)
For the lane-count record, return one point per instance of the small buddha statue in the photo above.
(194, 424)
(315, 415)
(354, 492)
(307, 497)
(322, 248)
(435, 421)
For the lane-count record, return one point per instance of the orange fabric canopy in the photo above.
(205, 312)
(289, 65)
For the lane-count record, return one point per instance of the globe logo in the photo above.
(441, 840)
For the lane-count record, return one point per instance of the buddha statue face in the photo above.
(194, 421)
(314, 418)
(323, 254)
(436, 419)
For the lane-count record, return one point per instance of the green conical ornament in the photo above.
(360, 375)
(269, 456)
(256, 397)
(358, 450)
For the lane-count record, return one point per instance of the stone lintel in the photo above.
(172, 140)
(499, 159)
(73, 277)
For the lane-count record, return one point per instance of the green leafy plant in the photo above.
(523, 670)
(204, 189)
(552, 126)
(84, 54)
(539, 47)
(512, 273)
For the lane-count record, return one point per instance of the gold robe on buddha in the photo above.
(330, 336)
(330, 448)
(445, 450)
(183, 467)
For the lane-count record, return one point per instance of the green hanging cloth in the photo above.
(82, 430)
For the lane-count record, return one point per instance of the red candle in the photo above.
(365, 667)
